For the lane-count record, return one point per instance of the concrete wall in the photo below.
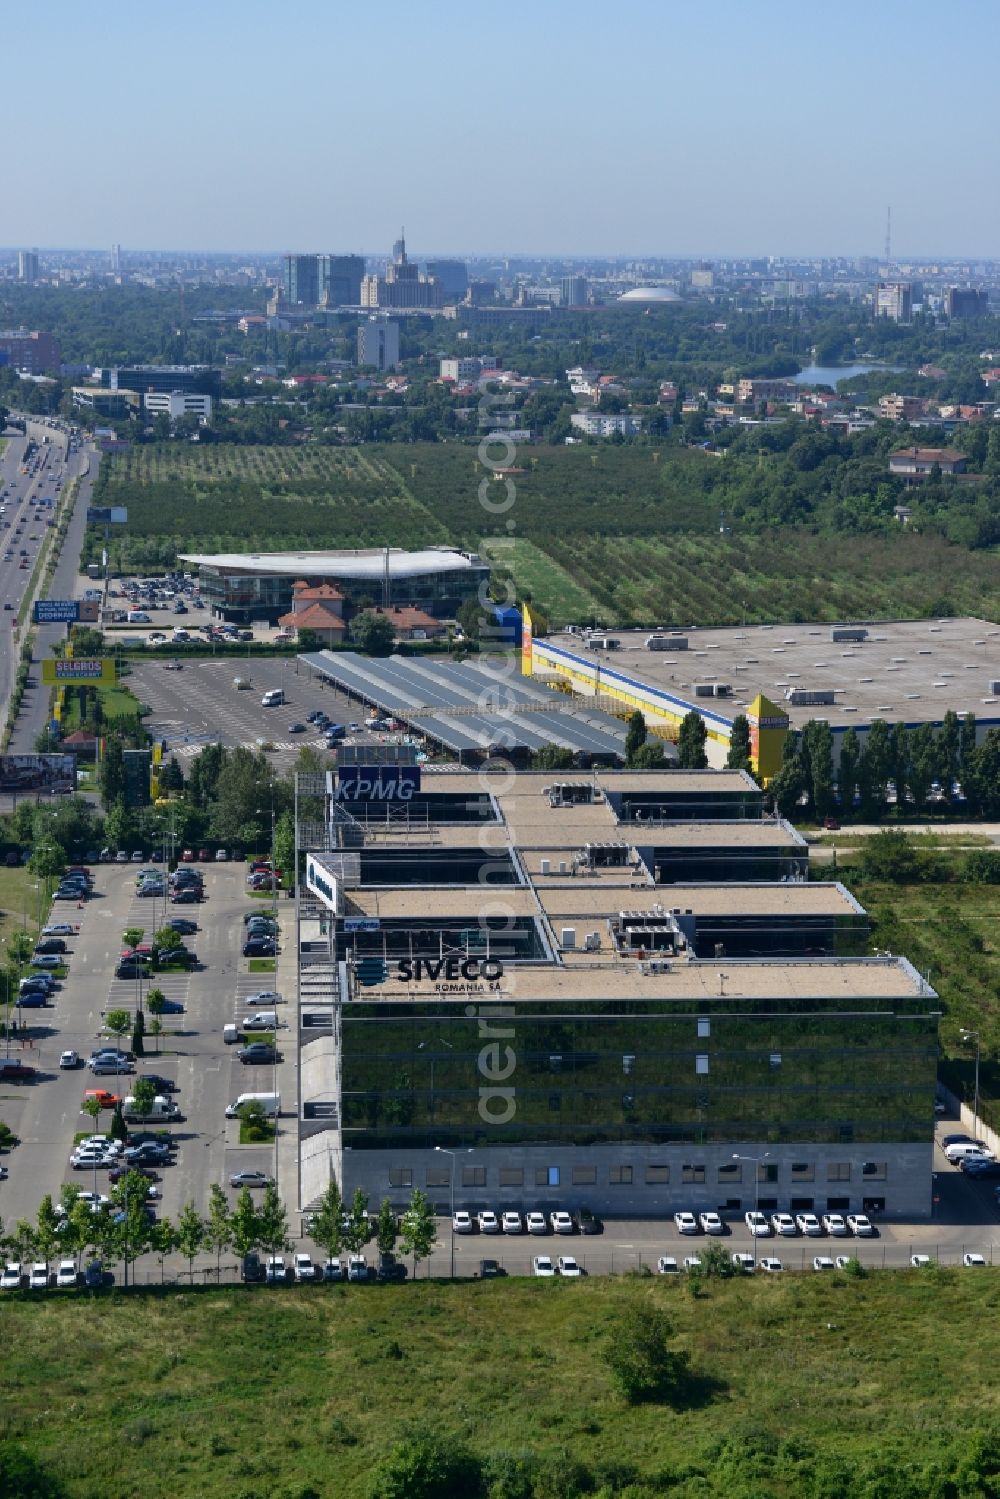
(906, 1189)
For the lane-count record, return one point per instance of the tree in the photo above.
(244, 1225)
(156, 1029)
(22, 1241)
(162, 1241)
(284, 847)
(218, 1227)
(817, 749)
(418, 1230)
(642, 1362)
(428, 1467)
(373, 633)
(649, 756)
(986, 773)
(273, 1222)
(118, 1127)
(357, 1228)
(156, 1002)
(138, 1031)
(874, 769)
(552, 757)
(117, 1022)
(167, 940)
(691, 742)
(190, 1235)
(788, 786)
(386, 1228)
(111, 773)
(738, 757)
(255, 1121)
(92, 1106)
(47, 860)
(967, 749)
(24, 1477)
(143, 1096)
(923, 764)
(850, 755)
(891, 857)
(46, 1228)
(170, 775)
(327, 1229)
(133, 935)
(635, 736)
(948, 747)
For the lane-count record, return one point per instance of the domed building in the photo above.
(650, 295)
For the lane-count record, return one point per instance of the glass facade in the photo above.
(421, 1073)
(268, 595)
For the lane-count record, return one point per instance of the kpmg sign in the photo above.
(377, 783)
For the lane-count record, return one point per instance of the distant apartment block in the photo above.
(606, 424)
(453, 276)
(895, 408)
(468, 369)
(34, 353)
(918, 463)
(750, 391)
(378, 344)
(178, 403)
(403, 286)
(573, 291)
(966, 301)
(894, 300)
(27, 265)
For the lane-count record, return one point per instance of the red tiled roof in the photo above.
(313, 618)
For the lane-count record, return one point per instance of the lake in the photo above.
(829, 374)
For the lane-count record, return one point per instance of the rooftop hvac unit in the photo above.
(567, 938)
(704, 689)
(592, 942)
(545, 866)
(659, 965)
(848, 634)
(563, 866)
(805, 696)
(667, 643)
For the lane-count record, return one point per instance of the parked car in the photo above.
(250, 1179)
(822, 1262)
(489, 1223)
(835, 1224)
(541, 1264)
(357, 1267)
(808, 1224)
(12, 1071)
(861, 1225)
(561, 1222)
(70, 1059)
(510, 1222)
(39, 1277)
(685, 1223)
(304, 1268)
(970, 1260)
(588, 1222)
(711, 1223)
(567, 1265)
(11, 1277)
(276, 1271)
(742, 1261)
(67, 1274)
(783, 1224)
(666, 1265)
(536, 1223)
(257, 1053)
(771, 1266)
(461, 1223)
(757, 1224)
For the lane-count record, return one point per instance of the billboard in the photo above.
(322, 880)
(136, 765)
(37, 772)
(67, 611)
(377, 783)
(99, 670)
(106, 515)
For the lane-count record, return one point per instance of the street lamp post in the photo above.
(454, 1167)
(974, 1036)
(757, 1161)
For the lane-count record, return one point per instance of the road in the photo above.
(34, 714)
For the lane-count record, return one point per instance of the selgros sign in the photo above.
(83, 669)
(66, 611)
(377, 783)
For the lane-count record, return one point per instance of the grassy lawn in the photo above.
(18, 899)
(920, 839)
(261, 965)
(117, 702)
(811, 1387)
(566, 600)
(256, 1134)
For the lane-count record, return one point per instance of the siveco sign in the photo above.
(452, 975)
(377, 783)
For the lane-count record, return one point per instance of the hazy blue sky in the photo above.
(601, 128)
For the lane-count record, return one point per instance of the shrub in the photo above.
(426, 1467)
(642, 1363)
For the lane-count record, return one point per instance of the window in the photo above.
(546, 1176)
(584, 1176)
(555, 1102)
(657, 1175)
(767, 1204)
(838, 1204)
(801, 1204)
(704, 1027)
(767, 1171)
(473, 1176)
(438, 1176)
(803, 1171)
(730, 1173)
(874, 1171)
(701, 1064)
(555, 1063)
(628, 1063)
(692, 1173)
(838, 1171)
(400, 1176)
(775, 1060)
(512, 1176)
(620, 1176)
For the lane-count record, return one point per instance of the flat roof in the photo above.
(851, 980)
(750, 899)
(368, 563)
(906, 671)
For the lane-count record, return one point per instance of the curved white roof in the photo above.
(649, 294)
(362, 564)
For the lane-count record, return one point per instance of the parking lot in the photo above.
(199, 705)
(47, 1114)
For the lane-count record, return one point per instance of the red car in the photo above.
(204, 855)
(187, 857)
(15, 1072)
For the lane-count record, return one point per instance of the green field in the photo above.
(811, 1388)
(632, 534)
(18, 900)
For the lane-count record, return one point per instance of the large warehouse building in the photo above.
(780, 676)
(244, 586)
(594, 991)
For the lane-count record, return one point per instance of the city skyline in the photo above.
(754, 136)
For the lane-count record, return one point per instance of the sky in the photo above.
(556, 127)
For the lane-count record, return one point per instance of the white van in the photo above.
(137, 617)
(269, 1102)
(272, 699)
(261, 1020)
(161, 1108)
